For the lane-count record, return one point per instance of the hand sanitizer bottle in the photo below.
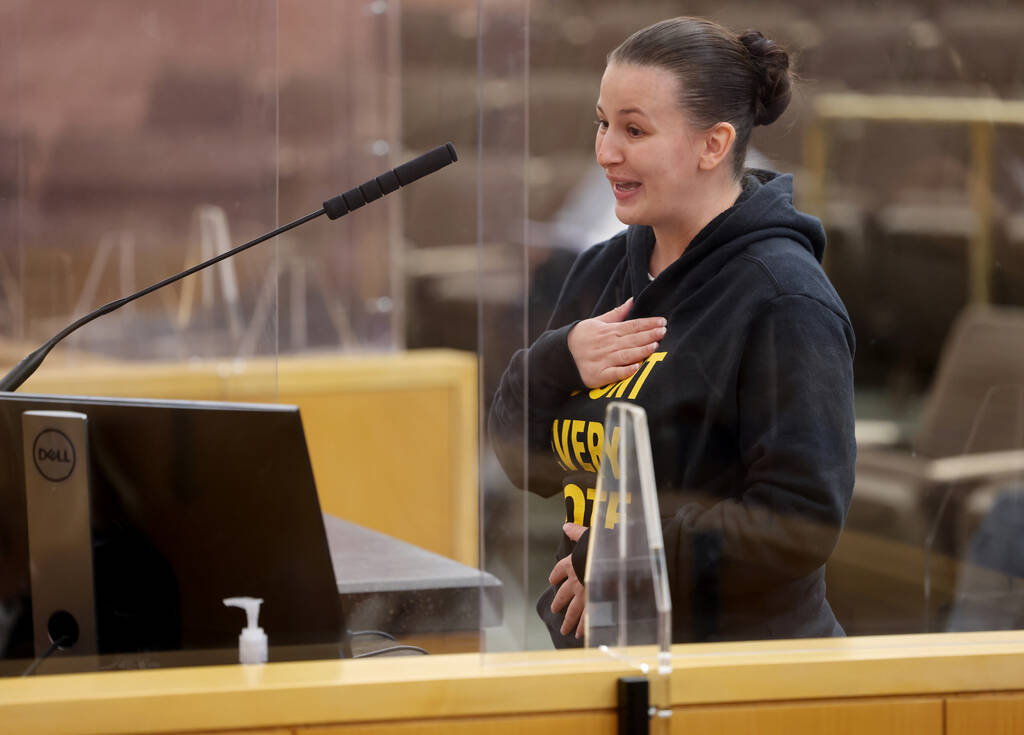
(252, 643)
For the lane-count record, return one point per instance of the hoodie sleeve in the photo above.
(536, 381)
(796, 450)
(539, 379)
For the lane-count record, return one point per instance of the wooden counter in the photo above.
(401, 427)
(952, 683)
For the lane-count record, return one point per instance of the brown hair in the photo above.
(743, 79)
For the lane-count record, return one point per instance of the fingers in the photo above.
(617, 314)
(634, 355)
(637, 338)
(647, 324)
(579, 628)
(566, 593)
(571, 595)
(607, 349)
(574, 613)
(615, 374)
(573, 531)
(561, 570)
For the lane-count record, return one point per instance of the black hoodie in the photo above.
(749, 399)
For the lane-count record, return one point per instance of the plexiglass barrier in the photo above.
(950, 499)
(179, 139)
(978, 521)
(628, 610)
(909, 162)
(628, 600)
(503, 258)
(137, 138)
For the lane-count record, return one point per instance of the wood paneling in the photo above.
(849, 717)
(590, 723)
(993, 714)
(382, 459)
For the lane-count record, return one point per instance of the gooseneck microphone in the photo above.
(388, 182)
(334, 208)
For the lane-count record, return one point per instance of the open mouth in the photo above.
(626, 186)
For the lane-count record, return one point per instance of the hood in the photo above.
(764, 210)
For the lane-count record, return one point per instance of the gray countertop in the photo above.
(392, 585)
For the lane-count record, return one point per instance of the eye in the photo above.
(601, 124)
(634, 131)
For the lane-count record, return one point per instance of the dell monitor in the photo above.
(188, 503)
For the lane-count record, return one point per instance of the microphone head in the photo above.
(390, 181)
(428, 163)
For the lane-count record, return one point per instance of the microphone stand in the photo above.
(334, 208)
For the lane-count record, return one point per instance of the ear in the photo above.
(718, 142)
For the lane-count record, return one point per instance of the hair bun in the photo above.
(774, 88)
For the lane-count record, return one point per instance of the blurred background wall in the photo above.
(136, 137)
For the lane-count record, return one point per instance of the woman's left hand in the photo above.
(571, 595)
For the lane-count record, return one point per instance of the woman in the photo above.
(713, 311)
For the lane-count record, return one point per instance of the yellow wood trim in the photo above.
(815, 153)
(467, 685)
(980, 253)
(979, 114)
(306, 373)
(466, 502)
(275, 695)
(866, 666)
(190, 381)
(961, 468)
(445, 368)
(890, 107)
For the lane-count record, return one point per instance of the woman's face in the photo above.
(645, 145)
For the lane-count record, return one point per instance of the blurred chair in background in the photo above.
(971, 431)
(899, 564)
(990, 588)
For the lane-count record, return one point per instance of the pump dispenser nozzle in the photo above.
(252, 642)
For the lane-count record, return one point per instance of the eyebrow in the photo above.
(627, 111)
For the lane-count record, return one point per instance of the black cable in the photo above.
(49, 651)
(381, 633)
(392, 649)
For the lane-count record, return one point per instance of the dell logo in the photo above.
(54, 455)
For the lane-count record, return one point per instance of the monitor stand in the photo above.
(57, 497)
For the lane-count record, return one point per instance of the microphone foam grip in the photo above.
(428, 163)
(354, 199)
(389, 181)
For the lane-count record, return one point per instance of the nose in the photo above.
(607, 150)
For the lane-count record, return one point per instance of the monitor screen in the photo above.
(191, 502)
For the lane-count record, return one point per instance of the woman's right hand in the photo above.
(609, 348)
